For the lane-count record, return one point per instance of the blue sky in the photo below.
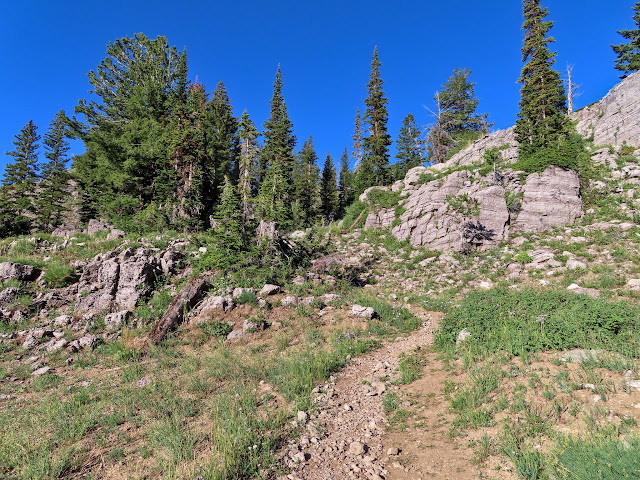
(325, 47)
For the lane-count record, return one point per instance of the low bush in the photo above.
(530, 320)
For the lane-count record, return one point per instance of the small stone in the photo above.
(362, 312)
(356, 448)
(269, 289)
(302, 417)
(393, 451)
(41, 371)
(462, 336)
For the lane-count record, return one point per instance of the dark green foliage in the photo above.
(628, 54)
(597, 460)
(276, 162)
(354, 212)
(358, 149)
(306, 186)
(228, 231)
(383, 198)
(520, 322)
(328, 189)
(410, 149)
(19, 181)
(567, 154)
(217, 329)
(51, 199)
(127, 165)
(456, 122)
(541, 122)
(345, 184)
(248, 165)
(224, 142)
(374, 168)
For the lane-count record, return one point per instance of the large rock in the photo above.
(17, 271)
(551, 198)
(614, 119)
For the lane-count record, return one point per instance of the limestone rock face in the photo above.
(550, 198)
(614, 119)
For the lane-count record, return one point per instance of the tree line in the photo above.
(163, 152)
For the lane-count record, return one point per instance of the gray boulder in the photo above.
(17, 271)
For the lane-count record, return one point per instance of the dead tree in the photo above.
(572, 89)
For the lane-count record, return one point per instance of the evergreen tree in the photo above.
(374, 168)
(541, 121)
(190, 161)
(224, 142)
(20, 178)
(306, 185)
(139, 85)
(628, 54)
(358, 140)
(456, 122)
(328, 189)
(248, 165)
(228, 232)
(276, 162)
(345, 186)
(410, 149)
(50, 201)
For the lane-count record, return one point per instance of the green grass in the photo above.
(410, 368)
(526, 321)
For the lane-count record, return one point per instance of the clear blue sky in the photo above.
(324, 47)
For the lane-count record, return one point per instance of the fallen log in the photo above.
(185, 300)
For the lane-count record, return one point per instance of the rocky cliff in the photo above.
(462, 204)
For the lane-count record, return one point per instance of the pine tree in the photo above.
(628, 54)
(541, 121)
(228, 232)
(306, 185)
(50, 202)
(345, 185)
(410, 149)
(20, 177)
(456, 121)
(276, 162)
(248, 165)
(374, 168)
(224, 141)
(139, 86)
(357, 152)
(328, 189)
(191, 161)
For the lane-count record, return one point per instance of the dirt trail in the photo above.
(349, 438)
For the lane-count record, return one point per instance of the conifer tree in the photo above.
(224, 141)
(276, 161)
(306, 185)
(248, 165)
(228, 232)
(345, 185)
(357, 152)
(439, 142)
(328, 189)
(20, 177)
(375, 169)
(628, 54)
(410, 148)
(191, 160)
(50, 201)
(541, 121)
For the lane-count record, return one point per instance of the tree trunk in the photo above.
(186, 299)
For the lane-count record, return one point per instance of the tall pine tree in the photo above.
(52, 196)
(345, 185)
(410, 148)
(357, 152)
(628, 54)
(541, 121)
(329, 199)
(306, 185)
(224, 141)
(248, 166)
(276, 162)
(20, 176)
(375, 168)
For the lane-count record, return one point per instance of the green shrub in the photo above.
(59, 275)
(217, 329)
(352, 214)
(247, 296)
(530, 320)
(383, 198)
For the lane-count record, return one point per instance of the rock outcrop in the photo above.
(614, 119)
